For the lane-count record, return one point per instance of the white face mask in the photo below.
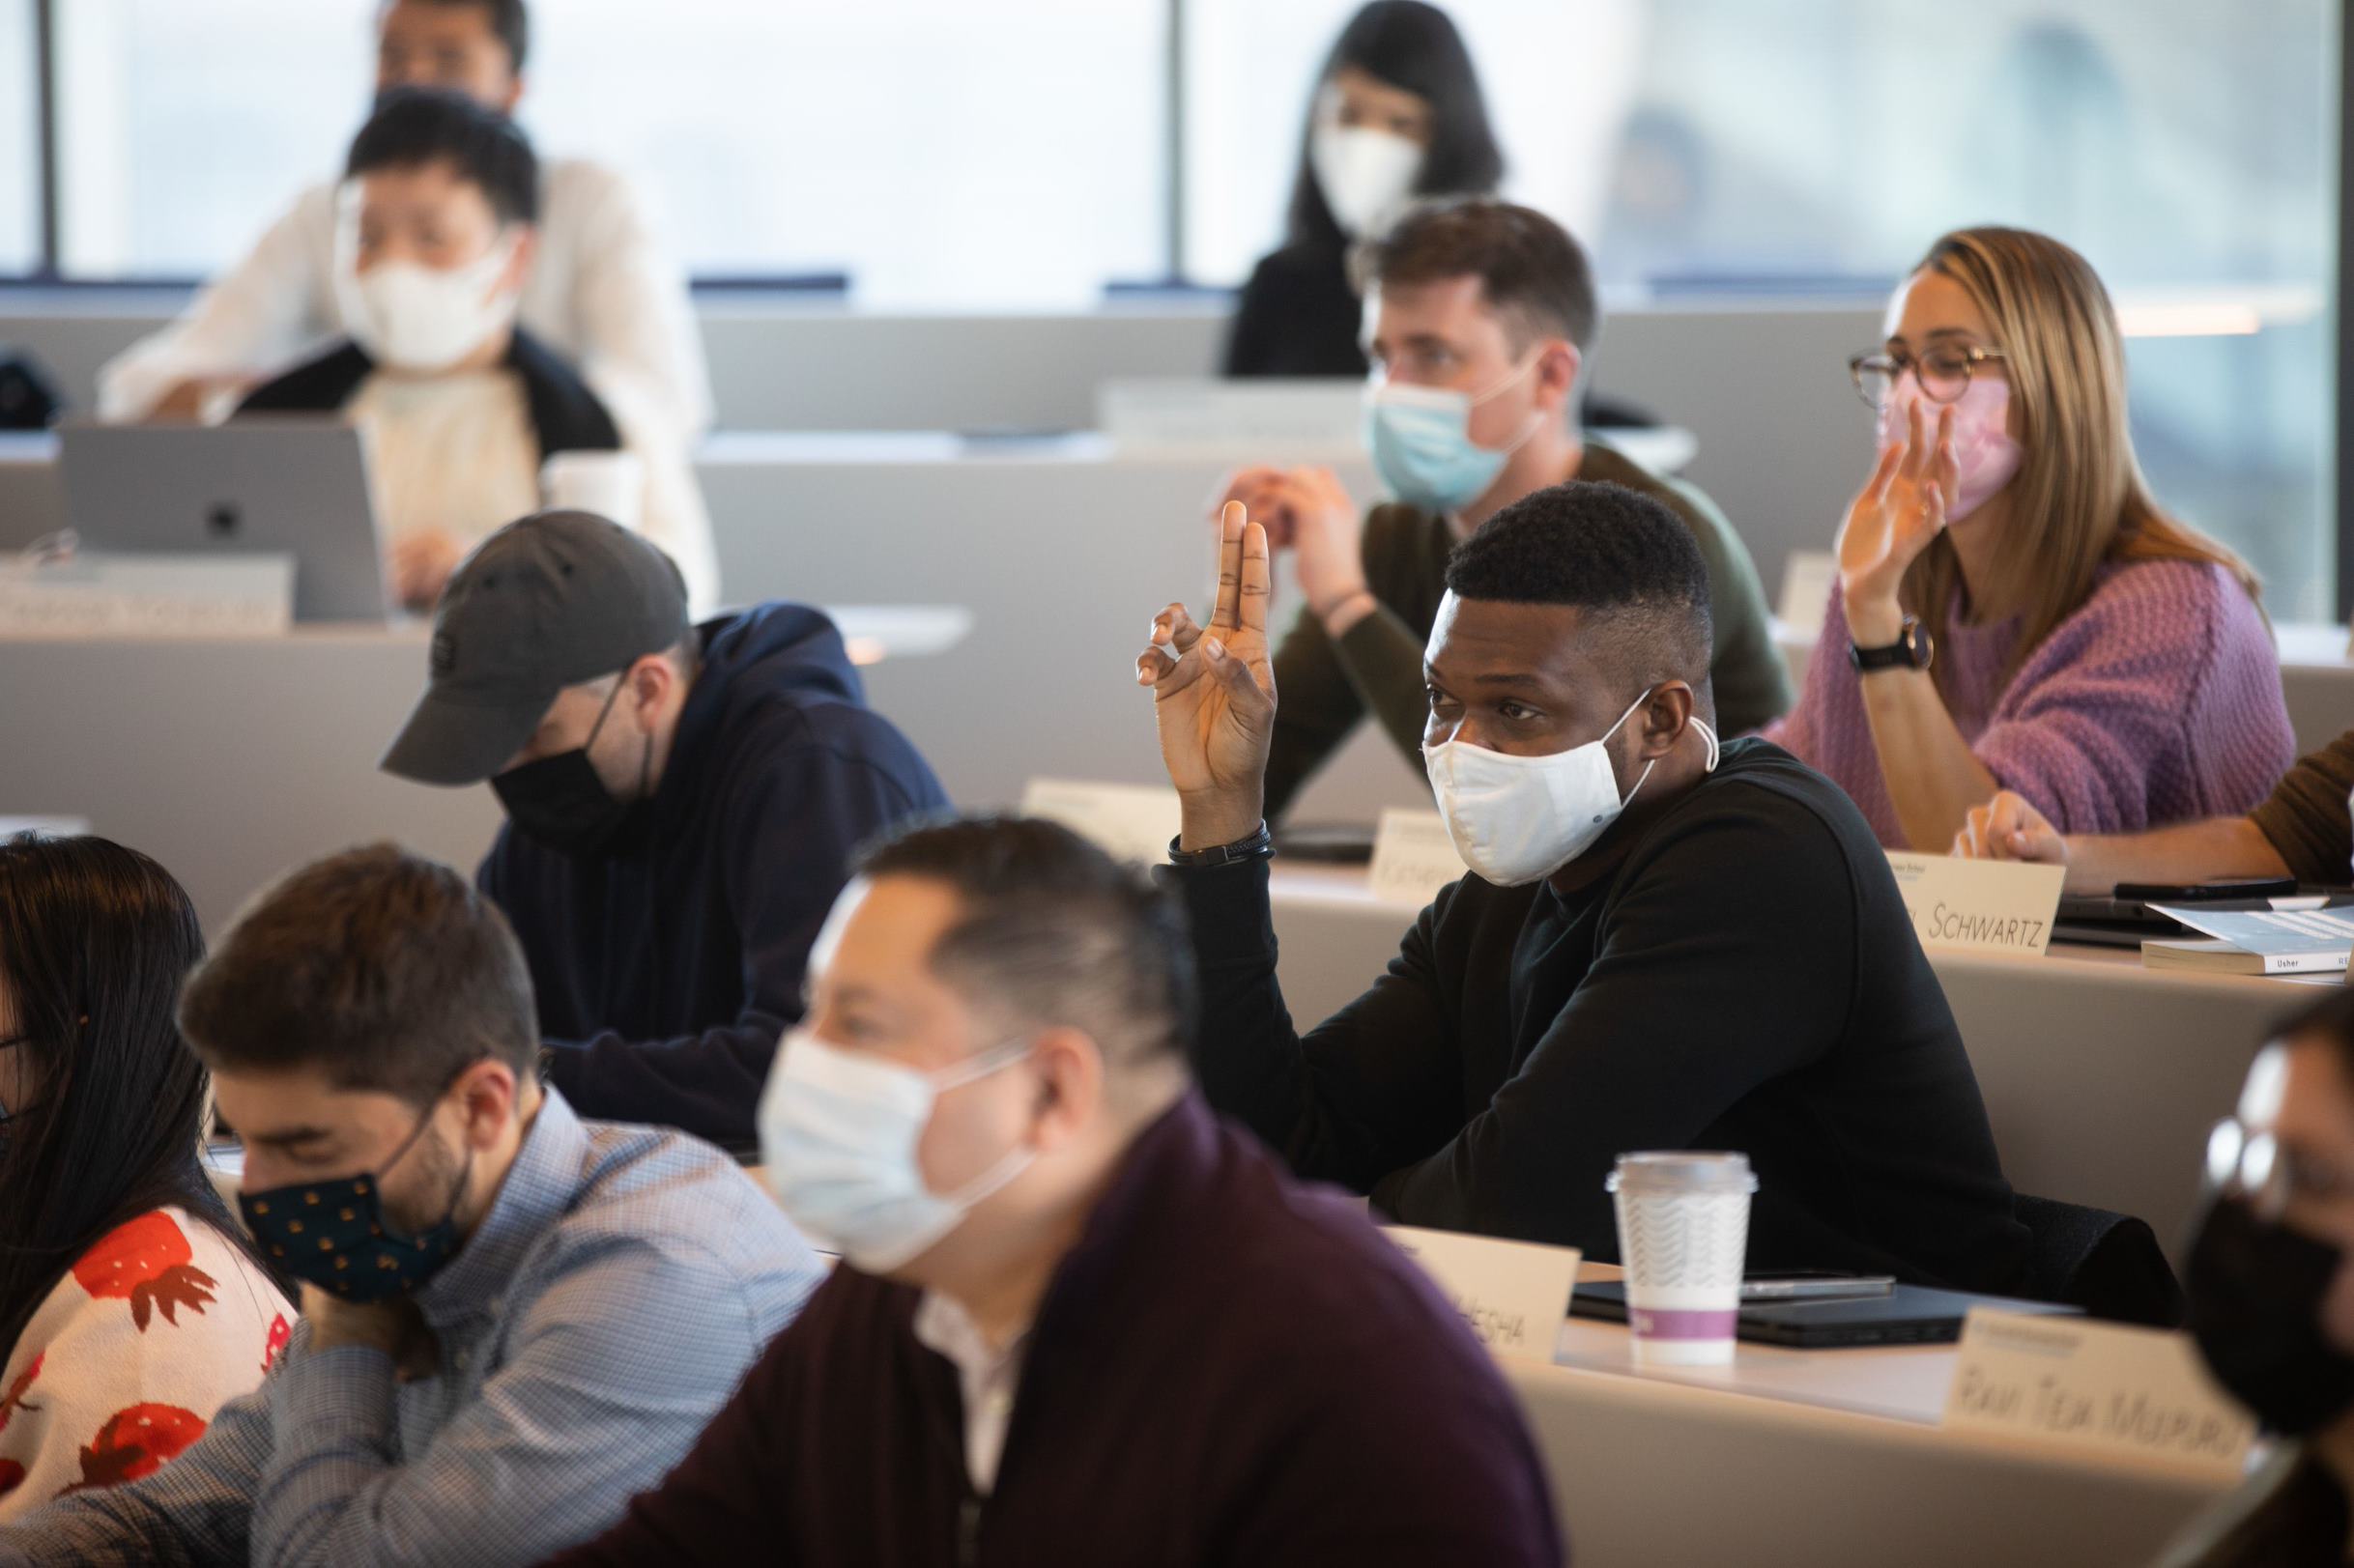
(424, 319)
(1514, 819)
(1365, 174)
(839, 1130)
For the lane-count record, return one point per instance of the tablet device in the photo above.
(292, 485)
(1908, 1315)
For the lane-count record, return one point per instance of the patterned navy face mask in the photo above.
(333, 1234)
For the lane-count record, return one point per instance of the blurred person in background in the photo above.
(1396, 113)
(599, 289)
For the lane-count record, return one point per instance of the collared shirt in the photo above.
(988, 1376)
(605, 1308)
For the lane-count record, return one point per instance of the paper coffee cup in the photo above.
(609, 484)
(1684, 1231)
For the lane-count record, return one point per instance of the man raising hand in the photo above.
(1658, 948)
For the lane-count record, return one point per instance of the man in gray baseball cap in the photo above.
(682, 802)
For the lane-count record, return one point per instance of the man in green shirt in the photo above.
(1481, 315)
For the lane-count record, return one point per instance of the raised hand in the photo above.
(2008, 828)
(1901, 508)
(1214, 696)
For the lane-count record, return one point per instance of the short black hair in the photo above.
(509, 19)
(1610, 550)
(417, 125)
(380, 968)
(1053, 930)
(1533, 274)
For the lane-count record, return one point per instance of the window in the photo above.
(2188, 150)
(19, 141)
(185, 129)
(938, 151)
(1557, 78)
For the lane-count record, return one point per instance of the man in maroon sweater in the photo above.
(1080, 1319)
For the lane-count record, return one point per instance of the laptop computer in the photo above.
(294, 485)
(1907, 1314)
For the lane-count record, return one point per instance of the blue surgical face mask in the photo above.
(1421, 440)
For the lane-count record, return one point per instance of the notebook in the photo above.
(2255, 942)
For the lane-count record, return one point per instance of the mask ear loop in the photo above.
(1715, 750)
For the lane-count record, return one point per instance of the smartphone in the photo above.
(1806, 1285)
(2252, 887)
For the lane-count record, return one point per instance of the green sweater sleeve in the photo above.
(1384, 659)
(1315, 709)
(1752, 683)
(2308, 820)
(1324, 689)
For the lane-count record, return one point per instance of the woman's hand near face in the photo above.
(1901, 508)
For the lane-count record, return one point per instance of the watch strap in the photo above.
(1260, 845)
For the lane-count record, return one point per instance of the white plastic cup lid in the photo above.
(1683, 1170)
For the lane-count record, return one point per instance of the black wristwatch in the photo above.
(1260, 845)
(1913, 649)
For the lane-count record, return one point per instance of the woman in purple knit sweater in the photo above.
(2013, 611)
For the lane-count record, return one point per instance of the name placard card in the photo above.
(132, 596)
(2105, 1385)
(1979, 905)
(1413, 858)
(1514, 1294)
(1126, 821)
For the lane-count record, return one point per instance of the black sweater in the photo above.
(1297, 316)
(667, 969)
(1226, 1369)
(1745, 978)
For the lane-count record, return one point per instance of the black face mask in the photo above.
(559, 800)
(2255, 1291)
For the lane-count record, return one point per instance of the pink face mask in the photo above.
(1983, 447)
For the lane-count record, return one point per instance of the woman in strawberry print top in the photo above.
(130, 1307)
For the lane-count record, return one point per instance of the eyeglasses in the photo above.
(2257, 1167)
(1944, 373)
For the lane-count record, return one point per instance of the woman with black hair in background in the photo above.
(130, 1307)
(1397, 113)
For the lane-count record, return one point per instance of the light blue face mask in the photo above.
(1421, 440)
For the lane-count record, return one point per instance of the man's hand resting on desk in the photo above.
(1214, 696)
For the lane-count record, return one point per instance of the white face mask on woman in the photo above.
(1515, 819)
(1366, 176)
(839, 1130)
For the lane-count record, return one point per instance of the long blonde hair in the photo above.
(2078, 501)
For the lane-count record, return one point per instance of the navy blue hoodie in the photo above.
(667, 969)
